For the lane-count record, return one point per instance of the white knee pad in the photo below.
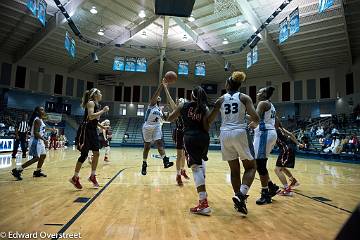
(107, 150)
(199, 177)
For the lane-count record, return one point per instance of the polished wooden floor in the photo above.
(131, 206)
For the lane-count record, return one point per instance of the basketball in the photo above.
(170, 77)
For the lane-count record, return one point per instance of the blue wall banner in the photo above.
(294, 21)
(283, 31)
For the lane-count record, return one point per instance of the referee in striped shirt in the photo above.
(21, 133)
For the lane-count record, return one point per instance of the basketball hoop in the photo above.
(226, 8)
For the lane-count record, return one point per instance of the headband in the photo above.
(92, 92)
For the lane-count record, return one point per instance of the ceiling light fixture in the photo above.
(185, 38)
(225, 41)
(142, 14)
(93, 10)
(143, 34)
(191, 18)
(101, 32)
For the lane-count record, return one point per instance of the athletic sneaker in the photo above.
(76, 182)
(143, 168)
(265, 197)
(273, 189)
(286, 192)
(202, 209)
(294, 183)
(92, 179)
(183, 173)
(240, 202)
(178, 180)
(38, 173)
(166, 162)
(16, 173)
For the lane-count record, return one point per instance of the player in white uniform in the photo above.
(264, 141)
(235, 141)
(151, 131)
(36, 145)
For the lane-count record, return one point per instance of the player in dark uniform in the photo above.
(287, 143)
(105, 137)
(87, 137)
(178, 138)
(196, 141)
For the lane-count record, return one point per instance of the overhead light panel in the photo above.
(185, 38)
(191, 18)
(142, 14)
(225, 41)
(101, 32)
(93, 10)
(143, 34)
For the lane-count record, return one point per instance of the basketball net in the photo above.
(226, 8)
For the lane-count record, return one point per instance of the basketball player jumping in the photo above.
(87, 138)
(234, 137)
(264, 141)
(196, 141)
(151, 131)
(286, 142)
(178, 137)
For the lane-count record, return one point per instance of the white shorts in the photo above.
(151, 133)
(236, 144)
(264, 142)
(36, 147)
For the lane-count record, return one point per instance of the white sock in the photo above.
(162, 156)
(38, 169)
(286, 185)
(178, 172)
(145, 159)
(265, 187)
(202, 195)
(19, 168)
(76, 174)
(93, 173)
(244, 189)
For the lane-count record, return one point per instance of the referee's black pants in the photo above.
(22, 141)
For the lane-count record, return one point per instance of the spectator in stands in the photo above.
(334, 131)
(353, 145)
(125, 138)
(343, 142)
(326, 142)
(335, 142)
(320, 132)
(312, 132)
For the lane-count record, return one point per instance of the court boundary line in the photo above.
(82, 210)
(317, 200)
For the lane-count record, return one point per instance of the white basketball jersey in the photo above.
(153, 115)
(233, 112)
(42, 128)
(267, 120)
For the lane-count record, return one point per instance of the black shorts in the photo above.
(91, 141)
(196, 148)
(103, 142)
(286, 157)
(178, 138)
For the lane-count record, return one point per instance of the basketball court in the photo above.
(117, 59)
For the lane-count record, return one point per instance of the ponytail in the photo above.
(88, 95)
(269, 92)
(34, 115)
(200, 97)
